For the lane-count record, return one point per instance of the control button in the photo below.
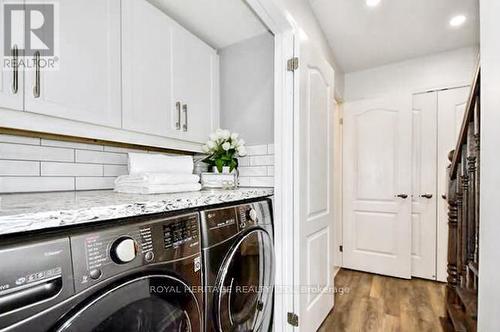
(243, 225)
(123, 250)
(252, 214)
(95, 274)
(149, 256)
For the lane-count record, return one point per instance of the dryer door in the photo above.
(243, 297)
(147, 303)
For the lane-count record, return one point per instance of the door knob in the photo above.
(428, 196)
(403, 196)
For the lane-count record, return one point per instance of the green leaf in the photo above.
(232, 165)
(219, 163)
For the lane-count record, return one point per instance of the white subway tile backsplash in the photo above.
(19, 168)
(244, 161)
(257, 150)
(92, 183)
(257, 170)
(267, 181)
(244, 182)
(122, 150)
(97, 157)
(73, 145)
(115, 170)
(70, 169)
(253, 171)
(32, 164)
(262, 160)
(35, 183)
(19, 139)
(34, 152)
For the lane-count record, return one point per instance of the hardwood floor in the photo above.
(370, 303)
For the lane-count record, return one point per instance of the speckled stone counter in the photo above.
(28, 212)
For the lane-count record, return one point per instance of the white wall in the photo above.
(489, 244)
(247, 89)
(419, 74)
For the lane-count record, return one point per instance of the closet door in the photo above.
(377, 186)
(424, 198)
(451, 106)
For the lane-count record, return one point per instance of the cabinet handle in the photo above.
(428, 196)
(185, 110)
(36, 88)
(178, 108)
(15, 68)
(403, 196)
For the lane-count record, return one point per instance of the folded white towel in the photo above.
(145, 179)
(158, 188)
(159, 163)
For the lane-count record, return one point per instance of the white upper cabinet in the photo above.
(11, 79)
(123, 68)
(195, 68)
(148, 105)
(86, 85)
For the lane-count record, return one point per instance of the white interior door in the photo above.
(377, 158)
(314, 189)
(451, 106)
(424, 198)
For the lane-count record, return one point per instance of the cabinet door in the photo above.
(147, 74)
(195, 67)
(85, 85)
(11, 92)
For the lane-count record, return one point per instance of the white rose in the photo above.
(241, 142)
(218, 133)
(226, 134)
(234, 136)
(205, 148)
(213, 137)
(242, 151)
(226, 146)
(211, 144)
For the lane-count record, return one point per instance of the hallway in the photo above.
(369, 302)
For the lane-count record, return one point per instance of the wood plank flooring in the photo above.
(370, 303)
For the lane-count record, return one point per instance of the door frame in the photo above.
(280, 24)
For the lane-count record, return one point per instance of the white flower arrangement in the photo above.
(223, 148)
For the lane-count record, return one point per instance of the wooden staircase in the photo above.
(463, 216)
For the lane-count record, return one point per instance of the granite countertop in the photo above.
(28, 212)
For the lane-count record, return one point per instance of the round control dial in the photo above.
(123, 250)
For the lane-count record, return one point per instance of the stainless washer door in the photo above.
(244, 288)
(144, 304)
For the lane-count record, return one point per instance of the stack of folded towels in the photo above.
(158, 174)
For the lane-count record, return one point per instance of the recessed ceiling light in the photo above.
(372, 3)
(457, 21)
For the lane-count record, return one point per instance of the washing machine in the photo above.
(142, 276)
(239, 264)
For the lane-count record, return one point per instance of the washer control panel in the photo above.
(105, 253)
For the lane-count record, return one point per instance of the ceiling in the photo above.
(362, 37)
(219, 23)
